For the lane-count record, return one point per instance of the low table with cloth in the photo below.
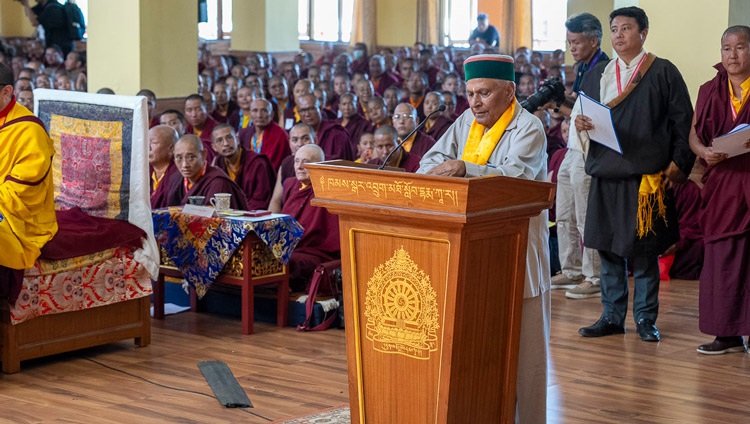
(92, 284)
(235, 250)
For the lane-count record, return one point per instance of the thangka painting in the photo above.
(101, 158)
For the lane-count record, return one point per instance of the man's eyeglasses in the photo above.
(402, 116)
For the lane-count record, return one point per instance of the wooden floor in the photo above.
(616, 379)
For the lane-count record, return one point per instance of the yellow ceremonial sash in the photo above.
(650, 195)
(481, 144)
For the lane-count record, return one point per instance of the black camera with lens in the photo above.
(552, 89)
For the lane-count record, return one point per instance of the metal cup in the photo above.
(196, 200)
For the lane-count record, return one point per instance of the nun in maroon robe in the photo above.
(319, 243)
(724, 305)
(213, 181)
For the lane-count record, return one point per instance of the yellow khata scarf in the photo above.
(481, 144)
(650, 195)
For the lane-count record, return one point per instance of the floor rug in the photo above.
(337, 415)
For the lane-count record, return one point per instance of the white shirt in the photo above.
(607, 92)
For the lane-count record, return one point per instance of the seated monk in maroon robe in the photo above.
(354, 123)
(251, 171)
(199, 122)
(436, 126)
(330, 136)
(320, 241)
(385, 140)
(161, 140)
(405, 120)
(197, 178)
(265, 136)
(300, 135)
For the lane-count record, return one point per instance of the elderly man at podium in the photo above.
(497, 136)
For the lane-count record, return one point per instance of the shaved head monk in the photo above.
(198, 178)
(265, 136)
(331, 137)
(199, 122)
(300, 135)
(384, 141)
(161, 141)
(320, 242)
(405, 121)
(354, 123)
(251, 171)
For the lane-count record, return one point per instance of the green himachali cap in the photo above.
(495, 66)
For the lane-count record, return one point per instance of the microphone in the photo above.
(400, 145)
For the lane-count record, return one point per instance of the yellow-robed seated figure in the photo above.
(27, 204)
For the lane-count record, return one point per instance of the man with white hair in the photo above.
(497, 136)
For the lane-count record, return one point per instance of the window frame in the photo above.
(309, 36)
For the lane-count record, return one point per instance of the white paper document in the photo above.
(734, 142)
(601, 116)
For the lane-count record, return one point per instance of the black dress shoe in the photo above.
(603, 327)
(647, 330)
(722, 345)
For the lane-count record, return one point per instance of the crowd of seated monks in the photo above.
(241, 129)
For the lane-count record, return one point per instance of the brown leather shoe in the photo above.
(722, 345)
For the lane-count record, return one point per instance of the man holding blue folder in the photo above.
(629, 217)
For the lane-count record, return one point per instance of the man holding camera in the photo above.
(580, 265)
(629, 217)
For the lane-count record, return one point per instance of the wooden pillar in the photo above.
(265, 25)
(136, 44)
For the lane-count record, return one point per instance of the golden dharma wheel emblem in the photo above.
(401, 308)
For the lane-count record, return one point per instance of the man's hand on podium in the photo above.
(449, 168)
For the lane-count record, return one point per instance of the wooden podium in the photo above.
(433, 272)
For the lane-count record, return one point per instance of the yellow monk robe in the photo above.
(27, 203)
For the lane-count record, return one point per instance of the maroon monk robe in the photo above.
(320, 241)
(724, 300)
(421, 144)
(688, 260)
(419, 107)
(275, 145)
(334, 140)
(205, 136)
(439, 128)
(408, 162)
(255, 177)
(462, 103)
(356, 126)
(287, 168)
(213, 181)
(159, 196)
(386, 80)
(223, 119)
